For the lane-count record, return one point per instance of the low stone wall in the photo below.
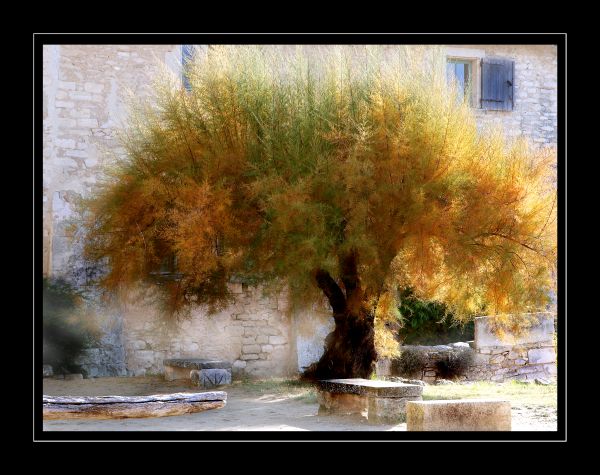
(525, 357)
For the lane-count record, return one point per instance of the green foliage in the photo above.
(454, 364)
(410, 363)
(65, 333)
(429, 323)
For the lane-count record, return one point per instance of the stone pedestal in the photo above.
(381, 402)
(388, 410)
(459, 415)
(342, 404)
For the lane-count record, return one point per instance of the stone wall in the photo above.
(527, 357)
(254, 333)
(82, 110)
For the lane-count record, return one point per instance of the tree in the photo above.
(336, 175)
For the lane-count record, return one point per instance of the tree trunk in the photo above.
(350, 348)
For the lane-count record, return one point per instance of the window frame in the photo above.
(473, 56)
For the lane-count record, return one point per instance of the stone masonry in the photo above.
(526, 358)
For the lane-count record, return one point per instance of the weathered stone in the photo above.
(277, 340)
(458, 415)
(179, 368)
(460, 344)
(239, 364)
(496, 359)
(120, 407)
(542, 381)
(251, 349)
(342, 404)
(388, 410)
(47, 371)
(443, 382)
(541, 355)
(210, 378)
(262, 339)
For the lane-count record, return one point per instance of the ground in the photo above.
(282, 405)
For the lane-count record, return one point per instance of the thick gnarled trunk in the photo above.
(350, 348)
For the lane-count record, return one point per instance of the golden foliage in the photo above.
(287, 161)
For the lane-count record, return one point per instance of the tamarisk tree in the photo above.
(339, 176)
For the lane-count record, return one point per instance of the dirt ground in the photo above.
(283, 406)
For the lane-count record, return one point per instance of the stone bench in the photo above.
(205, 373)
(121, 407)
(458, 415)
(378, 401)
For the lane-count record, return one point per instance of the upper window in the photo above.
(483, 82)
(461, 71)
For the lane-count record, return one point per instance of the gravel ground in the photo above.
(281, 406)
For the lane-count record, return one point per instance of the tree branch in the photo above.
(331, 290)
(349, 273)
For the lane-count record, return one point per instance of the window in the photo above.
(461, 71)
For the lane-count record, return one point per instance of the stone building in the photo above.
(511, 85)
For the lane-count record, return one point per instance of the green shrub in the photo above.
(410, 363)
(429, 323)
(65, 333)
(454, 364)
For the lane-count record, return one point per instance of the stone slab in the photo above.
(367, 387)
(120, 407)
(458, 415)
(210, 378)
(541, 332)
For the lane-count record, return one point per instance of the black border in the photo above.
(41, 39)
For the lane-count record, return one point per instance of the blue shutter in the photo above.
(187, 52)
(497, 84)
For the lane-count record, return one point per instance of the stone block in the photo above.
(210, 378)
(541, 355)
(277, 340)
(388, 410)
(251, 349)
(458, 415)
(342, 404)
(47, 371)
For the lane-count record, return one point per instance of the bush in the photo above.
(429, 323)
(410, 363)
(65, 333)
(454, 364)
